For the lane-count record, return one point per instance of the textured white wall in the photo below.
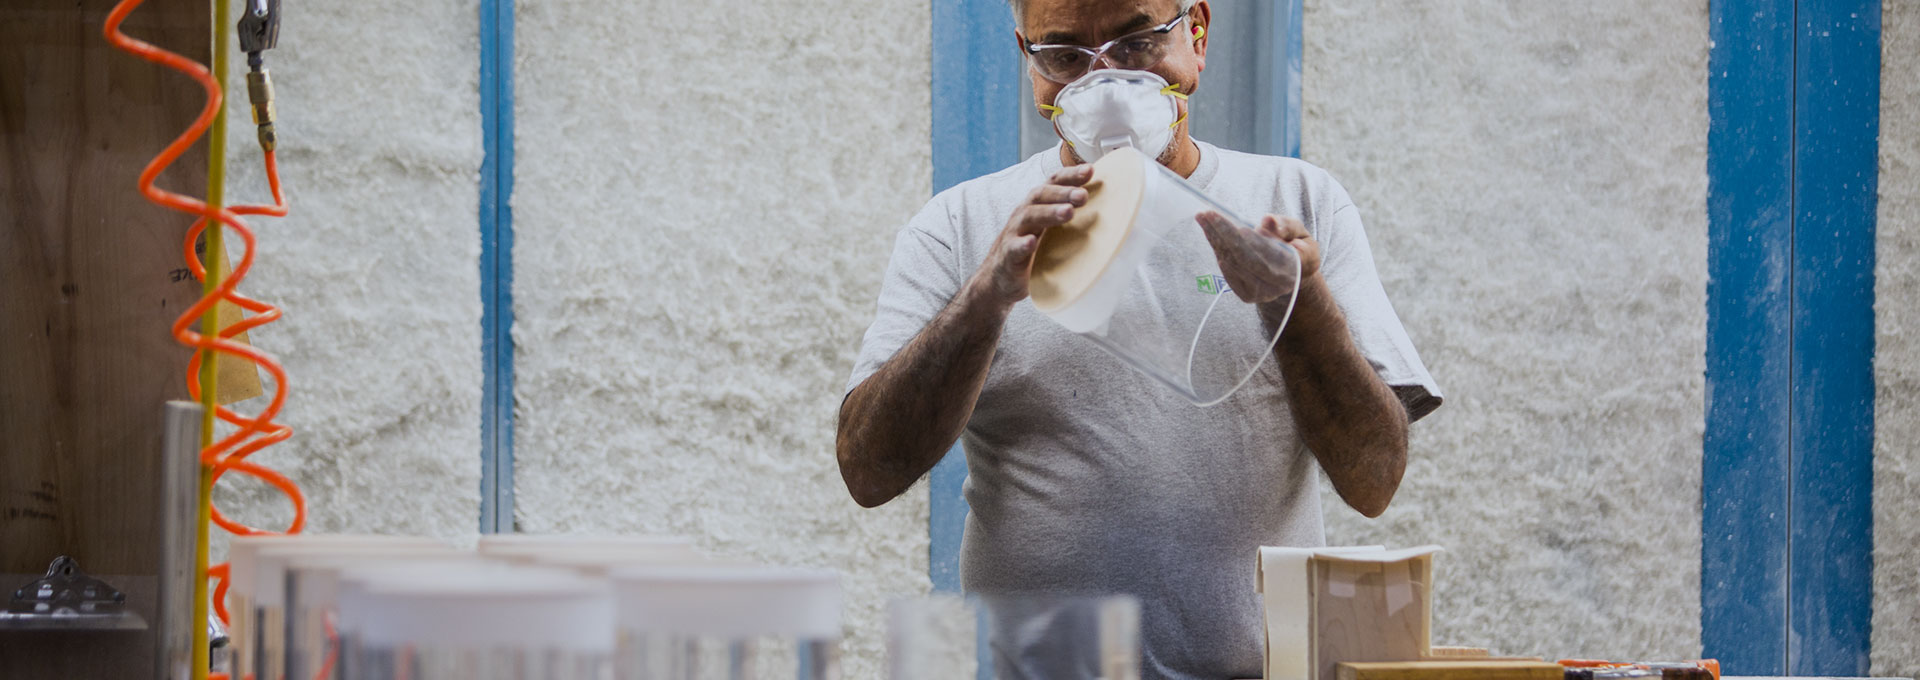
(703, 194)
(1896, 362)
(697, 208)
(1533, 176)
(376, 266)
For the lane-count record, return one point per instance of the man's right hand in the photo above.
(1002, 278)
(896, 424)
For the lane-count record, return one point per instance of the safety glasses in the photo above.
(1137, 51)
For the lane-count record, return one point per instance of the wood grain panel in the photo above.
(91, 277)
(1362, 626)
(1452, 670)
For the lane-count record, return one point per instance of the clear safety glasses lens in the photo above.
(1137, 51)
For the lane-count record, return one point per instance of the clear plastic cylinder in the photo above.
(255, 606)
(477, 623)
(727, 622)
(1136, 273)
(312, 602)
(525, 547)
(600, 562)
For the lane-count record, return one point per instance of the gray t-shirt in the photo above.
(1088, 477)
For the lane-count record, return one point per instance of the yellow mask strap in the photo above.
(1052, 111)
(1174, 90)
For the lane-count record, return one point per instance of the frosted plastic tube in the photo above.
(545, 623)
(248, 619)
(678, 621)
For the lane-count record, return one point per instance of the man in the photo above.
(1086, 477)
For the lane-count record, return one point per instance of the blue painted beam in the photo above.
(976, 90)
(496, 266)
(1290, 87)
(1836, 140)
(1744, 508)
(976, 130)
(1277, 80)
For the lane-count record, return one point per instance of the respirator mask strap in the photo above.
(1053, 116)
(1174, 91)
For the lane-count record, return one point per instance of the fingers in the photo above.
(1016, 257)
(1253, 260)
(1073, 176)
(1283, 228)
(1212, 222)
(1019, 251)
(1054, 193)
(1295, 234)
(1036, 219)
(1051, 205)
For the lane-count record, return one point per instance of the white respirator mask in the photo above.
(1109, 108)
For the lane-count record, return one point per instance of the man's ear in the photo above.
(1199, 18)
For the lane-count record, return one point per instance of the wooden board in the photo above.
(238, 380)
(1071, 257)
(1368, 627)
(92, 278)
(1465, 669)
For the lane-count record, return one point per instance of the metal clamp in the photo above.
(260, 26)
(67, 598)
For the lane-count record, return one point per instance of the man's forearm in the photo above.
(897, 423)
(1346, 413)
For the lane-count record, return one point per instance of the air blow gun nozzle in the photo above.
(259, 32)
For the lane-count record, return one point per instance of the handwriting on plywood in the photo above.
(14, 513)
(42, 503)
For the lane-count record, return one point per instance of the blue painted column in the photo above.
(976, 131)
(1787, 528)
(496, 266)
(1286, 91)
(1743, 547)
(1836, 155)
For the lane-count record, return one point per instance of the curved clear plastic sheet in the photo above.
(1160, 302)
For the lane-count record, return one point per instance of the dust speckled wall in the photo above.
(1896, 439)
(705, 193)
(376, 266)
(705, 197)
(1533, 177)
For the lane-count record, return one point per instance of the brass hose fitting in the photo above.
(260, 95)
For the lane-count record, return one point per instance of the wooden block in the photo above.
(239, 379)
(1328, 605)
(1466, 669)
(1369, 611)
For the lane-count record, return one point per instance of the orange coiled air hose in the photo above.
(252, 433)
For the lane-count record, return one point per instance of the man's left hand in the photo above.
(1253, 260)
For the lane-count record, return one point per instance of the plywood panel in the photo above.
(1452, 670)
(92, 278)
(1354, 620)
